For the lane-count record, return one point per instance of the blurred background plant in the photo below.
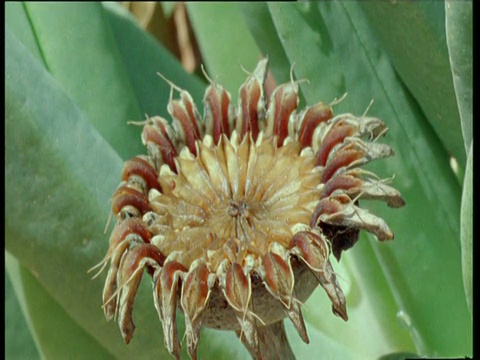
(76, 73)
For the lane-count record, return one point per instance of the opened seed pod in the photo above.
(235, 215)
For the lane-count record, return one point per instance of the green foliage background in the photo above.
(76, 73)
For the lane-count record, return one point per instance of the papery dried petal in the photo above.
(195, 293)
(238, 291)
(338, 211)
(131, 271)
(166, 282)
(313, 251)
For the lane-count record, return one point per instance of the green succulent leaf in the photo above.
(67, 54)
(58, 335)
(466, 233)
(52, 166)
(458, 24)
(412, 35)
(168, 7)
(226, 44)
(143, 57)
(64, 237)
(19, 342)
(16, 17)
(260, 22)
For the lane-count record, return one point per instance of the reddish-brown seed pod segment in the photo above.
(131, 225)
(217, 104)
(140, 167)
(124, 196)
(313, 117)
(157, 134)
(285, 100)
(335, 136)
(341, 182)
(342, 159)
(249, 102)
(184, 114)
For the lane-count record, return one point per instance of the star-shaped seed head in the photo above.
(234, 216)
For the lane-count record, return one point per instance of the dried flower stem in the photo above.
(273, 343)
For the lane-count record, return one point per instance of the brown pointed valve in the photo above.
(235, 215)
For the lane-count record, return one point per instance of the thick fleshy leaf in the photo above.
(143, 57)
(458, 24)
(19, 343)
(225, 43)
(57, 334)
(413, 36)
(88, 65)
(333, 46)
(321, 346)
(59, 177)
(260, 23)
(16, 18)
(466, 231)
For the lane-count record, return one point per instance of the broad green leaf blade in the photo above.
(458, 24)
(334, 48)
(16, 18)
(19, 343)
(370, 305)
(225, 42)
(58, 335)
(79, 50)
(466, 232)
(259, 21)
(143, 57)
(413, 36)
(320, 347)
(59, 179)
(217, 344)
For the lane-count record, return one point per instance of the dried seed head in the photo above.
(235, 216)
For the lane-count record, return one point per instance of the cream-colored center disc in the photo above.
(233, 199)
